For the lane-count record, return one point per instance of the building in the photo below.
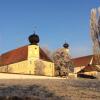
(81, 62)
(86, 65)
(89, 70)
(29, 59)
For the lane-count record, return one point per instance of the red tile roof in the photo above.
(14, 56)
(89, 68)
(19, 54)
(44, 56)
(82, 61)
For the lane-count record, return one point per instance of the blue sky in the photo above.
(54, 20)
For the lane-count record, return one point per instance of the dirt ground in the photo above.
(49, 89)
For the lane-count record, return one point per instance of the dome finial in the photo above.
(34, 39)
(65, 45)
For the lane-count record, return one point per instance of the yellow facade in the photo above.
(72, 75)
(33, 51)
(20, 67)
(93, 73)
(77, 69)
(33, 65)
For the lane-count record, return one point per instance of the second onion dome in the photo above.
(65, 45)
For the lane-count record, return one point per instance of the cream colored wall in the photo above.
(98, 66)
(77, 69)
(72, 75)
(94, 73)
(29, 66)
(33, 51)
(46, 67)
(20, 67)
(33, 55)
(49, 68)
(3, 68)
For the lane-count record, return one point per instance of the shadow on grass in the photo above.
(33, 92)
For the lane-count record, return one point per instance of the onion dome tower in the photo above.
(66, 45)
(34, 39)
(33, 48)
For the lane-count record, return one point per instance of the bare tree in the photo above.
(95, 34)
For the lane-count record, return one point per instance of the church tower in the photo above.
(33, 48)
(29, 59)
(66, 47)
